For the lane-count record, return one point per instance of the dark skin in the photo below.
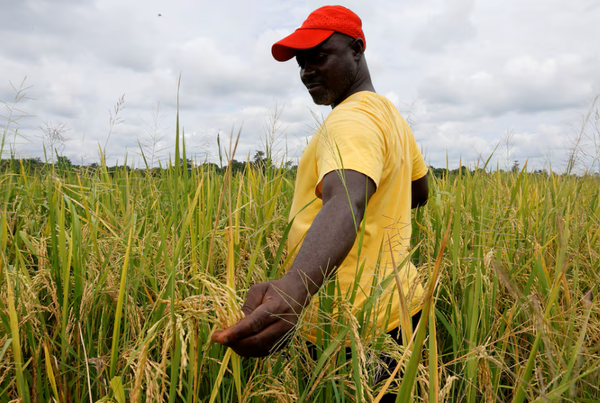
(332, 71)
(419, 192)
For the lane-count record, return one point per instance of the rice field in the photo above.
(112, 281)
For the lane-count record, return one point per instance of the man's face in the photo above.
(328, 70)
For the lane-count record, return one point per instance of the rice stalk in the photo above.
(119, 309)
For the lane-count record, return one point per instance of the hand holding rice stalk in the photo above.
(271, 311)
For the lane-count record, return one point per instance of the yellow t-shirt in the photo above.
(365, 133)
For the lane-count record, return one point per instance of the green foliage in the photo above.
(122, 280)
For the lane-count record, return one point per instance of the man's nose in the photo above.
(307, 71)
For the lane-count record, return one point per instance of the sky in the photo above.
(470, 76)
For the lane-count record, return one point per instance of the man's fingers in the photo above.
(254, 298)
(219, 337)
(264, 343)
(251, 324)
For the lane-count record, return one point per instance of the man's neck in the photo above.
(361, 83)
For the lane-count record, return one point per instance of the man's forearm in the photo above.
(419, 192)
(327, 243)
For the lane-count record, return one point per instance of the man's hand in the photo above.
(272, 310)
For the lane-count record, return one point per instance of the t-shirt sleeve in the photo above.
(350, 139)
(419, 167)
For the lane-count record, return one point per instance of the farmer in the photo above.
(361, 164)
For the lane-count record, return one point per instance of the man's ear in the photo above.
(358, 48)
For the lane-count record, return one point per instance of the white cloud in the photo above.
(462, 71)
(452, 25)
(524, 85)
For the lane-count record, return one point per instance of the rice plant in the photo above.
(112, 281)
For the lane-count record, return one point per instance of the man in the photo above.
(364, 155)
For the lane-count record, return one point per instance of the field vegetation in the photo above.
(112, 281)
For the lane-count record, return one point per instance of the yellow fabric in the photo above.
(365, 133)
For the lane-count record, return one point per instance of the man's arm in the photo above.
(272, 308)
(420, 192)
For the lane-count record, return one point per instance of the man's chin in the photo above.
(321, 100)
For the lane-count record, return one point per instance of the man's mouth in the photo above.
(313, 87)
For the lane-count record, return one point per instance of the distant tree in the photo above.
(211, 166)
(261, 161)
(460, 171)
(515, 166)
(63, 162)
(30, 165)
(439, 172)
(237, 166)
(259, 157)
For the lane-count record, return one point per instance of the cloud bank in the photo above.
(463, 72)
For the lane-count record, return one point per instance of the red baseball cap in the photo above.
(319, 26)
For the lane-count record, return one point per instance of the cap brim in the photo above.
(286, 48)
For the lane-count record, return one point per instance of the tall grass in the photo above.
(111, 282)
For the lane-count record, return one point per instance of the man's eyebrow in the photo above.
(323, 48)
